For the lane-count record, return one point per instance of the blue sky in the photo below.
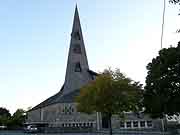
(35, 37)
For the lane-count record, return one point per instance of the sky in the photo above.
(35, 38)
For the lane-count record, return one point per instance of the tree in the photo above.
(162, 90)
(110, 93)
(174, 1)
(4, 116)
(4, 112)
(18, 118)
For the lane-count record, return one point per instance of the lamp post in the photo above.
(162, 34)
(162, 29)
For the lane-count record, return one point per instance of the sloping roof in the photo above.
(60, 98)
(49, 101)
(92, 73)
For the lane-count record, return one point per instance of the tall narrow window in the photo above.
(142, 123)
(77, 48)
(122, 124)
(135, 123)
(77, 35)
(78, 67)
(128, 124)
(149, 123)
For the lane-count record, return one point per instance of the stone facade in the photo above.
(62, 115)
(134, 121)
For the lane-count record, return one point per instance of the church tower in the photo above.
(77, 71)
(59, 107)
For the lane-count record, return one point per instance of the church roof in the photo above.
(60, 98)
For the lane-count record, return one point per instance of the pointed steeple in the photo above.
(77, 69)
(76, 22)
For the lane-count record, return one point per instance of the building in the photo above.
(59, 111)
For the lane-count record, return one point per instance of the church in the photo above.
(59, 111)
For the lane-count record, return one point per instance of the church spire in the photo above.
(77, 71)
(76, 22)
(77, 66)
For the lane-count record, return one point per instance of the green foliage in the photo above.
(18, 118)
(4, 116)
(4, 112)
(162, 90)
(14, 121)
(110, 93)
(174, 1)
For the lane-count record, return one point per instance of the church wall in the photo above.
(76, 79)
(34, 116)
(132, 121)
(62, 115)
(65, 115)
